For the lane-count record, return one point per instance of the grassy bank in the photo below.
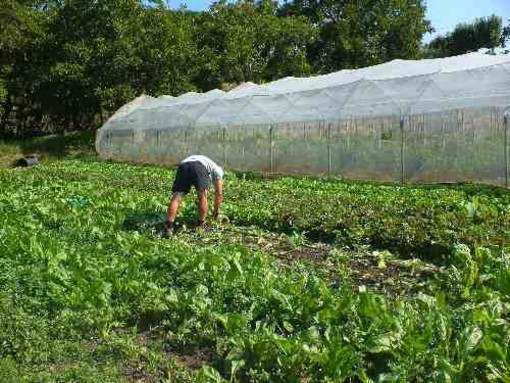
(52, 147)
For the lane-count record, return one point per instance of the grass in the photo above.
(52, 147)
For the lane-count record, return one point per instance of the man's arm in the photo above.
(218, 196)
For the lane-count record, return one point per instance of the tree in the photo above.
(168, 53)
(482, 33)
(485, 32)
(438, 47)
(248, 41)
(96, 55)
(86, 53)
(357, 33)
(19, 25)
(505, 36)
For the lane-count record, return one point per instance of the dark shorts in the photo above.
(190, 174)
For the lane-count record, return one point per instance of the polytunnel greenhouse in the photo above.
(435, 120)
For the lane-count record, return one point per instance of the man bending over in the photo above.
(197, 171)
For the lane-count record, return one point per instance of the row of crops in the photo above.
(309, 280)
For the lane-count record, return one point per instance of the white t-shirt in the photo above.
(215, 171)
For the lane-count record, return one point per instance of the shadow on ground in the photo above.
(144, 221)
(59, 146)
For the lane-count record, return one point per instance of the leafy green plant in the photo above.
(90, 290)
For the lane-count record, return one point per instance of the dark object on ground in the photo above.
(169, 228)
(26, 161)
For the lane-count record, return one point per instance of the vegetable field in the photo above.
(307, 281)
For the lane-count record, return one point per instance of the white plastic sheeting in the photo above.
(398, 87)
(348, 106)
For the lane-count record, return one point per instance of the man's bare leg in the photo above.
(202, 206)
(174, 207)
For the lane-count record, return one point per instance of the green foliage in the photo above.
(354, 34)
(485, 32)
(18, 26)
(90, 291)
(247, 41)
(505, 36)
(426, 221)
(68, 65)
(92, 58)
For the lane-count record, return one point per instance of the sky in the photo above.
(444, 14)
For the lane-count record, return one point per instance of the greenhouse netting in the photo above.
(436, 120)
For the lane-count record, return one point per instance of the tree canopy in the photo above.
(505, 36)
(484, 32)
(69, 64)
(357, 33)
